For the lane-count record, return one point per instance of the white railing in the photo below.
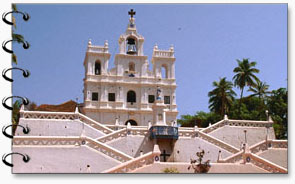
(138, 131)
(233, 158)
(215, 126)
(163, 53)
(249, 123)
(265, 164)
(108, 150)
(73, 141)
(151, 81)
(97, 49)
(113, 136)
(48, 115)
(132, 165)
(218, 142)
(186, 133)
(231, 122)
(46, 141)
(94, 124)
(279, 143)
(65, 116)
(259, 147)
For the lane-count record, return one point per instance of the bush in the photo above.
(171, 170)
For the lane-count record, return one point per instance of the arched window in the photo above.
(164, 71)
(132, 122)
(131, 46)
(131, 96)
(97, 68)
(131, 67)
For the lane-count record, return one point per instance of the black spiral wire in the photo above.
(26, 74)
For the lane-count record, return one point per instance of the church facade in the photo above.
(127, 92)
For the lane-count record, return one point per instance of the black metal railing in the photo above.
(163, 132)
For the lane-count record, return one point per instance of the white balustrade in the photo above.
(217, 142)
(265, 164)
(132, 165)
(163, 53)
(71, 141)
(113, 136)
(65, 116)
(97, 49)
(279, 143)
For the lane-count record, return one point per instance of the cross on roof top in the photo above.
(131, 13)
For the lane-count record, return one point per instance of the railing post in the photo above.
(156, 153)
(128, 128)
(196, 131)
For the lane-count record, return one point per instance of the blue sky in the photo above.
(208, 38)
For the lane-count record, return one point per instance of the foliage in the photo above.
(171, 170)
(245, 76)
(252, 107)
(277, 104)
(221, 97)
(198, 165)
(15, 112)
(16, 37)
(200, 119)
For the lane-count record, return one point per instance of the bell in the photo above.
(131, 49)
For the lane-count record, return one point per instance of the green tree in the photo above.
(221, 97)
(245, 76)
(259, 89)
(201, 119)
(277, 104)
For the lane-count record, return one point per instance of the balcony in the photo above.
(163, 132)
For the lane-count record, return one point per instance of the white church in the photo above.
(128, 124)
(127, 92)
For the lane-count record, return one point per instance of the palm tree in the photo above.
(16, 37)
(221, 97)
(260, 89)
(245, 76)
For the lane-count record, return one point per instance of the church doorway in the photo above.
(132, 122)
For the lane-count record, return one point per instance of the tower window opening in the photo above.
(131, 97)
(164, 72)
(97, 68)
(131, 46)
(166, 99)
(94, 96)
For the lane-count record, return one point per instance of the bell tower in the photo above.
(131, 42)
(131, 60)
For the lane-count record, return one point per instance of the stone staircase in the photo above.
(71, 141)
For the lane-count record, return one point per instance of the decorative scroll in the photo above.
(24, 99)
(26, 16)
(26, 158)
(26, 73)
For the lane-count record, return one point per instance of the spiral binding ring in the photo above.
(26, 45)
(26, 130)
(26, 73)
(25, 101)
(26, 158)
(26, 16)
